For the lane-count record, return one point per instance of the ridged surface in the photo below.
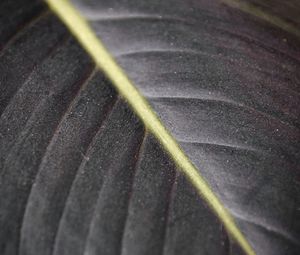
(226, 84)
(17, 19)
(289, 11)
(79, 174)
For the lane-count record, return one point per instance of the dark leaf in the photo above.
(79, 172)
(227, 86)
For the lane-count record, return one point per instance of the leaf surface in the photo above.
(79, 172)
(81, 175)
(225, 83)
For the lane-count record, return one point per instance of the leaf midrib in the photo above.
(103, 59)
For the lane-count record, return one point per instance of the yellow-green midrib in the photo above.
(103, 59)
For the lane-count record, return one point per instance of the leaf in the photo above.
(76, 163)
(79, 173)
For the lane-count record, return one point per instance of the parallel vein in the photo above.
(81, 30)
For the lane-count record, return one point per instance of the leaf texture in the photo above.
(226, 84)
(289, 11)
(79, 174)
